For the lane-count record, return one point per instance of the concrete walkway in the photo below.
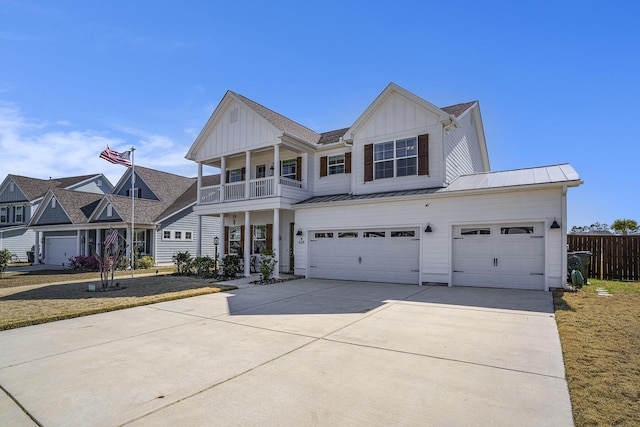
(305, 352)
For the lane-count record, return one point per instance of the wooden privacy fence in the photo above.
(613, 257)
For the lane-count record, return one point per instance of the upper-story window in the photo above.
(402, 157)
(19, 214)
(3, 216)
(136, 191)
(289, 168)
(335, 164)
(261, 171)
(395, 158)
(236, 175)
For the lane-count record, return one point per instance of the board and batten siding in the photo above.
(398, 117)
(462, 149)
(53, 215)
(186, 220)
(442, 213)
(12, 196)
(145, 191)
(238, 129)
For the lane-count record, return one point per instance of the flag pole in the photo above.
(133, 211)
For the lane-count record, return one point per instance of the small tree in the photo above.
(5, 257)
(267, 264)
(625, 226)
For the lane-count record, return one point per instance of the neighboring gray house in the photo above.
(20, 196)
(71, 223)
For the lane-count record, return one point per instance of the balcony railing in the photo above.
(258, 188)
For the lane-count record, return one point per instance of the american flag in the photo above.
(111, 238)
(115, 157)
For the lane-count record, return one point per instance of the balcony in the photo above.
(258, 188)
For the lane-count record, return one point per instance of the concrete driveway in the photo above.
(305, 352)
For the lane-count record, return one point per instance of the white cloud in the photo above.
(33, 149)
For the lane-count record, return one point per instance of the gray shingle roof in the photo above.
(77, 204)
(34, 188)
(281, 122)
(458, 109)
(332, 136)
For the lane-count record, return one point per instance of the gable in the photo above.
(144, 191)
(98, 185)
(104, 214)
(53, 214)
(396, 114)
(236, 128)
(10, 192)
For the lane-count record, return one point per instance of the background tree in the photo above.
(625, 226)
(595, 227)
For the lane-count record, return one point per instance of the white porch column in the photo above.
(221, 238)
(275, 241)
(247, 243)
(36, 249)
(199, 196)
(276, 169)
(199, 237)
(223, 176)
(78, 242)
(98, 242)
(86, 243)
(247, 175)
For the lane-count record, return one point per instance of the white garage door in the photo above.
(390, 255)
(499, 255)
(58, 250)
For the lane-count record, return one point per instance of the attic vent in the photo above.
(11, 186)
(53, 203)
(233, 115)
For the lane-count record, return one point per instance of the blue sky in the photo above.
(557, 81)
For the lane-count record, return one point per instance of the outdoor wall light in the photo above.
(428, 229)
(555, 224)
(216, 240)
(299, 233)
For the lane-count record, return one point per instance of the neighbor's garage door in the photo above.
(58, 250)
(368, 255)
(499, 255)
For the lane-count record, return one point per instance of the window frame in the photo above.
(338, 166)
(261, 171)
(15, 214)
(233, 230)
(4, 215)
(177, 235)
(166, 235)
(259, 238)
(386, 153)
(293, 166)
(234, 172)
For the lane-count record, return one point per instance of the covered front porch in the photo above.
(248, 233)
(273, 171)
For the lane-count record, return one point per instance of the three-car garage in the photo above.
(503, 255)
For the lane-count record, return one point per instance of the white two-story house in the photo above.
(404, 195)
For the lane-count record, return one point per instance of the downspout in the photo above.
(563, 240)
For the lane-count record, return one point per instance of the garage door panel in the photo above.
(498, 259)
(58, 250)
(378, 259)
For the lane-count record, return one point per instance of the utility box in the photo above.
(579, 260)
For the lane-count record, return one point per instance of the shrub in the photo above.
(145, 262)
(231, 266)
(183, 262)
(5, 257)
(80, 262)
(204, 266)
(267, 264)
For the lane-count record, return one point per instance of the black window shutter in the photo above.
(368, 162)
(423, 154)
(323, 166)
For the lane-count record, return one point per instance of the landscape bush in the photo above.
(231, 265)
(183, 262)
(5, 257)
(87, 263)
(267, 264)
